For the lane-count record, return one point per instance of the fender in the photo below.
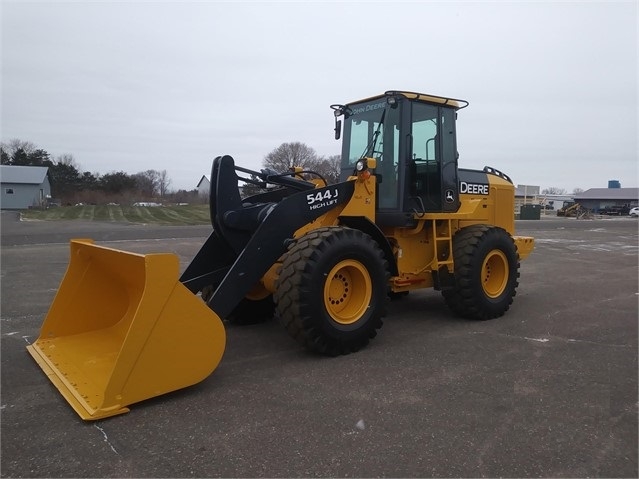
(367, 226)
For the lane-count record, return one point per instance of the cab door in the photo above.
(431, 166)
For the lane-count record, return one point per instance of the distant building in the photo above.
(525, 195)
(527, 190)
(203, 186)
(594, 199)
(597, 199)
(530, 195)
(554, 202)
(23, 187)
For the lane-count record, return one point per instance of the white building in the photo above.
(203, 186)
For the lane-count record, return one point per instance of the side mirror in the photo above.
(338, 128)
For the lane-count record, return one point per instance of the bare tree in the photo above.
(163, 182)
(288, 155)
(67, 159)
(16, 152)
(328, 167)
(576, 191)
(147, 182)
(16, 144)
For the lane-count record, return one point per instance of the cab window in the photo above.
(371, 129)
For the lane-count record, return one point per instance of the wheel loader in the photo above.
(321, 258)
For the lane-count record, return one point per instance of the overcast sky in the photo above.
(132, 86)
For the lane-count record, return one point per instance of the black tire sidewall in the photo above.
(355, 246)
(495, 239)
(472, 245)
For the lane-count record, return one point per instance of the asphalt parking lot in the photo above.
(549, 390)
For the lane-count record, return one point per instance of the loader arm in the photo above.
(226, 242)
(247, 238)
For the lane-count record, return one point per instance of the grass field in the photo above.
(169, 215)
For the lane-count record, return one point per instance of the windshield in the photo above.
(371, 129)
(366, 127)
(363, 130)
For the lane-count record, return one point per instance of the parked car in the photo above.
(615, 210)
(634, 212)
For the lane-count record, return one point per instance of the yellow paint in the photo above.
(347, 291)
(122, 329)
(494, 273)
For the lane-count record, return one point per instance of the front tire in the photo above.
(486, 273)
(332, 291)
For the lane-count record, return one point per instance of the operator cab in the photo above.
(412, 137)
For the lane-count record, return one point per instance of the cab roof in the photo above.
(457, 104)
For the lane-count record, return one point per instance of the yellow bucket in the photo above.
(123, 329)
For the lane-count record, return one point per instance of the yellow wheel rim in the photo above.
(494, 273)
(347, 291)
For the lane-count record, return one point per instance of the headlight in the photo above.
(360, 165)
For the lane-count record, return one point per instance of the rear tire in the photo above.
(486, 273)
(332, 291)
